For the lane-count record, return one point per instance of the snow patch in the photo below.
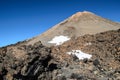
(88, 44)
(81, 55)
(58, 40)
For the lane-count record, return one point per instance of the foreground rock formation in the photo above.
(37, 62)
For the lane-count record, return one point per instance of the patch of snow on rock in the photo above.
(58, 40)
(88, 44)
(81, 55)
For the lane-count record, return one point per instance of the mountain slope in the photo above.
(37, 62)
(77, 25)
(92, 52)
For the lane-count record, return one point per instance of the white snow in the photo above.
(81, 55)
(58, 40)
(88, 44)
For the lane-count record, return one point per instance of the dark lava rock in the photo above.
(96, 62)
(33, 63)
(36, 62)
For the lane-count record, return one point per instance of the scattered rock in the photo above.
(37, 62)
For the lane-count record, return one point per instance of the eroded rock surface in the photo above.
(37, 62)
(31, 65)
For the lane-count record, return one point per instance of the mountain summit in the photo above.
(77, 25)
(76, 17)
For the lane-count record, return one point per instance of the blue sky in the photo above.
(23, 19)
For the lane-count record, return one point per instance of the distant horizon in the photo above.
(23, 19)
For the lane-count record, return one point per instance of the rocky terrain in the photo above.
(37, 62)
(83, 47)
(105, 62)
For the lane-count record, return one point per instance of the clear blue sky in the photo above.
(23, 19)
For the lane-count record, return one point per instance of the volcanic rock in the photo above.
(36, 59)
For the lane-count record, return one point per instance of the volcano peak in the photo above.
(76, 16)
(79, 24)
